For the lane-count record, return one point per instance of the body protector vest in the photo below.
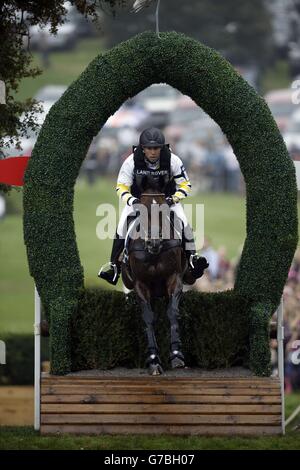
(145, 177)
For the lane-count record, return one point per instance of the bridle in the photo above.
(153, 246)
(152, 194)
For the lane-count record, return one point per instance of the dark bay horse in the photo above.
(156, 266)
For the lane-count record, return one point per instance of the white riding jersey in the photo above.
(126, 174)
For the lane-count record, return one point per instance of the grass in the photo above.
(224, 224)
(27, 438)
(64, 67)
(291, 403)
(276, 77)
(12, 438)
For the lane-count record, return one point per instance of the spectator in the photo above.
(221, 275)
(212, 257)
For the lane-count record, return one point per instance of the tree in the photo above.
(16, 16)
(242, 30)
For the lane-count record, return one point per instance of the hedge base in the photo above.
(108, 331)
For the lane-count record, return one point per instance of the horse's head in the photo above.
(152, 191)
(153, 197)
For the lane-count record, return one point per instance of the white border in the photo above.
(37, 359)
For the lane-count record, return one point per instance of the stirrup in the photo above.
(102, 272)
(197, 265)
(193, 257)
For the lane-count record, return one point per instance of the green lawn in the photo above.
(224, 224)
(17, 438)
(26, 438)
(64, 68)
(276, 77)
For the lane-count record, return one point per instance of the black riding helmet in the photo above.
(152, 137)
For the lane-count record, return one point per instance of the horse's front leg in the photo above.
(174, 289)
(153, 361)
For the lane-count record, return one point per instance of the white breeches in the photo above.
(129, 210)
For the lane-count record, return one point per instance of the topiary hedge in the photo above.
(76, 118)
(108, 331)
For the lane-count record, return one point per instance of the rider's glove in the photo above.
(172, 200)
(169, 201)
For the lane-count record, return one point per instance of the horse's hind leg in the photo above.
(153, 361)
(174, 287)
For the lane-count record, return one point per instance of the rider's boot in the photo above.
(196, 263)
(112, 274)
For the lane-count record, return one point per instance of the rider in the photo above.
(153, 158)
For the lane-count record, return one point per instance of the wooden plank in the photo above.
(16, 405)
(145, 376)
(16, 392)
(166, 398)
(161, 378)
(159, 419)
(187, 371)
(160, 385)
(159, 408)
(158, 382)
(185, 405)
(184, 390)
(161, 429)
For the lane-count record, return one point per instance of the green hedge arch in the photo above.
(76, 118)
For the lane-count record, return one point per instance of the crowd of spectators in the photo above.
(291, 302)
(211, 166)
(220, 276)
